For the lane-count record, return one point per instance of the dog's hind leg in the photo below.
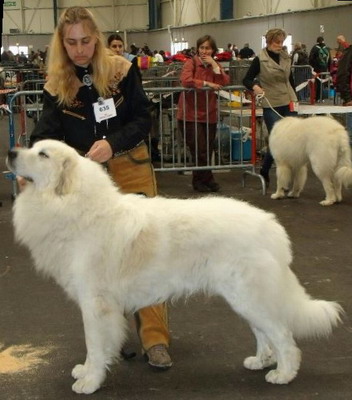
(287, 354)
(330, 196)
(104, 328)
(326, 176)
(283, 180)
(338, 190)
(272, 332)
(299, 180)
(264, 357)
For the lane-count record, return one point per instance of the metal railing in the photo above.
(234, 146)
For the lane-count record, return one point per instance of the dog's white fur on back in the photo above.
(321, 141)
(115, 253)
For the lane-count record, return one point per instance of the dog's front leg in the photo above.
(104, 328)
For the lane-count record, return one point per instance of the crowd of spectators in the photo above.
(35, 59)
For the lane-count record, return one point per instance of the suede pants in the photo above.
(133, 173)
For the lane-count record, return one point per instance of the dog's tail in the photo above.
(309, 317)
(344, 176)
(343, 172)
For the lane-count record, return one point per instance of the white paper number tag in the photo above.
(104, 109)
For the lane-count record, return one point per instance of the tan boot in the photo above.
(158, 357)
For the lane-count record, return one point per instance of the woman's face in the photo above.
(117, 47)
(205, 49)
(276, 44)
(79, 43)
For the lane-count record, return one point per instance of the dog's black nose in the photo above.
(12, 154)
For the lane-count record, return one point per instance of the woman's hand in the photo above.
(100, 152)
(257, 90)
(215, 86)
(209, 60)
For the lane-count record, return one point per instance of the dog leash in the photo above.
(259, 99)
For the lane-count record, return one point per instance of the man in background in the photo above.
(246, 52)
(344, 84)
(319, 59)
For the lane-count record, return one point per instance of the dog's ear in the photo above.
(67, 180)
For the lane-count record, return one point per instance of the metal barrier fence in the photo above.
(324, 86)
(312, 87)
(15, 75)
(238, 70)
(163, 75)
(303, 78)
(235, 144)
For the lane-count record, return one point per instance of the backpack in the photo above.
(323, 57)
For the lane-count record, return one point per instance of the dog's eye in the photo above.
(42, 154)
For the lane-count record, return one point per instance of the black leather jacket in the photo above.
(76, 124)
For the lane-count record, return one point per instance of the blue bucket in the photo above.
(241, 147)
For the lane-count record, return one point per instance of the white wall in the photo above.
(265, 7)
(304, 26)
(36, 16)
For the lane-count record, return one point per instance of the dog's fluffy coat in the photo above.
(115, 253)
(321, 141)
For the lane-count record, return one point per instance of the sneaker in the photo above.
(158, 357)
(213, 186)
(201, 187)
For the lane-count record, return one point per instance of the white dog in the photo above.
(322, 141)
(115, 253)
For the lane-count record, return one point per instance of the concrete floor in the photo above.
(209, 342)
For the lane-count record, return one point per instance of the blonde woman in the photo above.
(94, 101)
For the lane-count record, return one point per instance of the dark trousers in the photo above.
(270, 117)
(200, 138)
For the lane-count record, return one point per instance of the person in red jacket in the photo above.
(197, 110)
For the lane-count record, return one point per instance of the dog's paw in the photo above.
(293, 195)
(79, 371)
(276, 196)
(327, 202)
(87, 385)
(256, 363)
(279, 378)
(253, 363)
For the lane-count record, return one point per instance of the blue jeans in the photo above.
(270, 117)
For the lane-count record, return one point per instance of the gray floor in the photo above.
(209, 342)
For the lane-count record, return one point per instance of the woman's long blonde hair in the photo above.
(61, 70)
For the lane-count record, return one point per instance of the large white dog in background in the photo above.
(115, 253)
(321, 141)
